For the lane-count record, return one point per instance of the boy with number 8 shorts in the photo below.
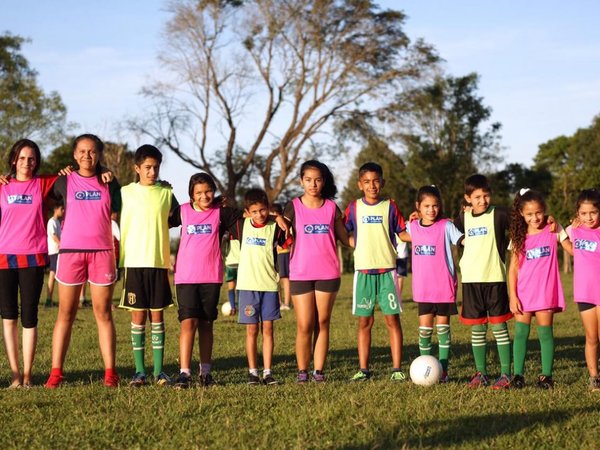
(375, 222)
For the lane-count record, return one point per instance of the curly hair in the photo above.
(518, 227)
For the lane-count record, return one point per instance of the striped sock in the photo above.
(444, 338)
(479, 346)
(425, 340)
(158, 346)
(138, 342)
(500, 331)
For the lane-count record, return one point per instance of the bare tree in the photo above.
(255, 82)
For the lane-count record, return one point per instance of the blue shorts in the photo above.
(257, 306)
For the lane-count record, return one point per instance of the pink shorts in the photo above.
(96, 267)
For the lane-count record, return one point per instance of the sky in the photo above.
(538, 61)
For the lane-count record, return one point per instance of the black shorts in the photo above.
(231, 273)
(438, 309)
(29, 281)
(585, 306)
(198, 301)
(402, 267)
(52, 264)
(304, 287)
(283, 264)
(483, 302)
(146, 288)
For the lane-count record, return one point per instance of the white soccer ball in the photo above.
(226, 309)
(426, 370)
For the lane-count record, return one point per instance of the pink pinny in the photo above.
(538, 285)
(586, 264)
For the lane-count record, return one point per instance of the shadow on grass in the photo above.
(473, 430)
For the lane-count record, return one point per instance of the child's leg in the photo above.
(546, 337)
(231, 293)
(268, 343)
(591, 325)
(50, 292)
(251, 347)
(395, 333)
(442, 329)
(522, 328)
(285, 287)
(205, 337)
(67, 311)
(102, 306)
(138, 339)
(187, 333)
(11, 344)
(324, 302)
(365, 324)
(158, 340)
(425, 333)
(479, 346)
(304, 304)
(500, 331)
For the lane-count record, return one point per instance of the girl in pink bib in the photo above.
(586, 267)
(314, 264)
(534, 282)
(434, 274)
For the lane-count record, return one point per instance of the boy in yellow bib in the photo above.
(375, 222)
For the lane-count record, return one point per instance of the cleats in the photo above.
(479, 380)
(183, 381)
(111, 380)
(545, 382)
(361, 376)
(318, 376)
(138, 380)
(54, 381)
(207, 380)
(162, 379)
(253, 380)
(269, 380)
(503, 382)
(302, 377)
(595, 384)
(398, 375)
(444, 378)
(518, 382)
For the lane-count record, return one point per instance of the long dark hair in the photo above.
(16, 149)
(588, 196)
(329, 190)
(518, 227)
(98, 145)
(431, 191)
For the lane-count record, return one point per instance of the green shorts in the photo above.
(376, 288)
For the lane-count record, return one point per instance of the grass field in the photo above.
(337, 414)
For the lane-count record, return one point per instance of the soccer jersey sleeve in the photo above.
(396, 220)
(175, 217)
(459, 222)
(561, 234)
(453, 234)
(350, 216)
(229, 217)
(115, 195)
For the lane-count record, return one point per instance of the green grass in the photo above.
(375, 414)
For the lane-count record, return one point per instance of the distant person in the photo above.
(534, 282)
(375, 222)
(231, 249)
(145, 258)
(53, 232)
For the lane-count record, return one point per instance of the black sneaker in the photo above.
(183, 381)
(207, 380)
(545, 382)
(269, 380)
(518, 382)
(253, 379)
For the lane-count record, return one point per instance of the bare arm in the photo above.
(405, 237)
(513, 274)
(340, 231)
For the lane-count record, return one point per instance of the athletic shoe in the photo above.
(111, 380)
(183, 381)
(253, 380)
(361, 376)
(595, 384)
(54, 381)
(207, 380)
(318, 377)
(478, 380)
(518, 382)
(398, 375)
(269, 380)
(545, 382)
(162, 379)
(138, 380)
(444, 378)
(502, 382)
(302, 377)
